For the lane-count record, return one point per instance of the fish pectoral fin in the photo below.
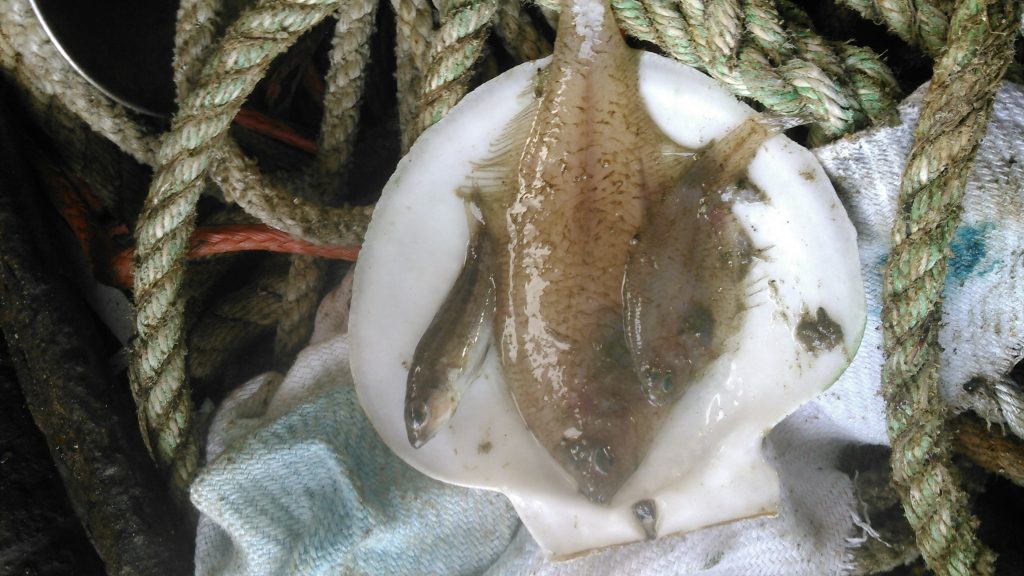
(451, 351)
(725, 161)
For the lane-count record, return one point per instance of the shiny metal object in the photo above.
(123, 47)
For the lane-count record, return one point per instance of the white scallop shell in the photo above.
(705, 466)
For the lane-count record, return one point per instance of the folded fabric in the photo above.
(298, 482)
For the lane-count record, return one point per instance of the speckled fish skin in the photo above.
(450, 352)
(591, 163)
(685, 283)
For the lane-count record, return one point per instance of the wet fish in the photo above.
(586, 163)
(585, 207)
(452, 349)
(684, 289)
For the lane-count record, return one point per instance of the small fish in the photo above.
(683, 288)
(452, 349)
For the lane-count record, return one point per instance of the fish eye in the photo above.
(658, 386)
(603, 459)
(416, 415)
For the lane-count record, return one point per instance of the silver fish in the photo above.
(455, 344)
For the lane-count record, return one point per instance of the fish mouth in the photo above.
(421, 423)
(596, 466)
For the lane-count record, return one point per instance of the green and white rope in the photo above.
(194, 33)
(455, 48)
(518, 34)
(414, 27)
(920, 23)
(767, 30)
(349, 54)
(348, 57)
(780, 63)
(241, 182)
(157, 367)
(761, 49)
(196, 30)
(660, 22)
(953, 118)
(723, 25)
(872, 83)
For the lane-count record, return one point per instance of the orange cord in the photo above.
(78, 207)
(270, 127)
(212, 240)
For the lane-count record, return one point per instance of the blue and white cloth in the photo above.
(299, 483)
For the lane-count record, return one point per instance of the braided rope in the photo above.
(242, 183)
(350, 51)
(344, 89)
(457, 45)
(779, 63)
(225, 239)
(921, 23)
(157, 368)
(414, 27)
(517, 33)
(955, 112)
(194, 37)
(243, 237)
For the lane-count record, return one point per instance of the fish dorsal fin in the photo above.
(493, 184)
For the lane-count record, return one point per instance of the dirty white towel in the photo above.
(300, 484)
(285, 522)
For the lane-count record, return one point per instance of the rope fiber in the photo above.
(955, 112)
(157, 367)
